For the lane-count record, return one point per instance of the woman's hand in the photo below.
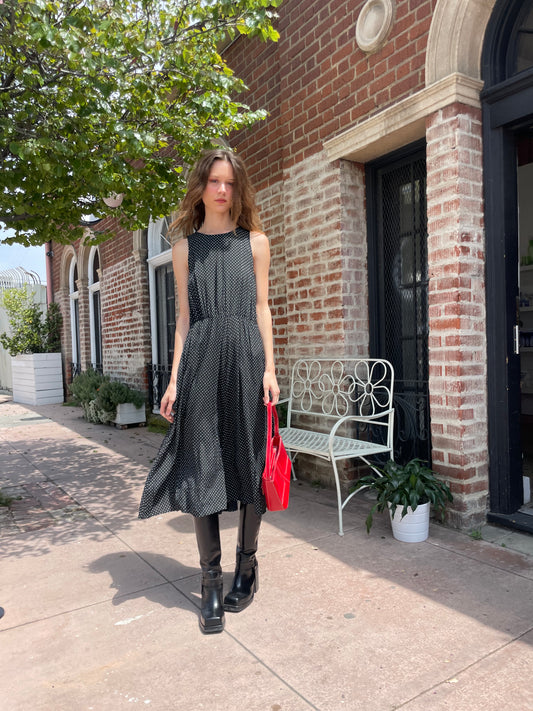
(167, 403)
(270, 388)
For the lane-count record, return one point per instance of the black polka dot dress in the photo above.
(213, 455)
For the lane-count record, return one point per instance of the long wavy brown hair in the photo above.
(243, 211)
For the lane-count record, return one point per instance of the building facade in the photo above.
(393, 174)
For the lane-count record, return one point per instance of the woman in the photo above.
(222, 377)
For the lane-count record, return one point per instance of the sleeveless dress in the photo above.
(213, 454)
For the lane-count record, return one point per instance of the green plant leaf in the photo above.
(30, 330)
(405, 485)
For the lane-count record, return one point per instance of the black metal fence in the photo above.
(412, 430)
(75, 369)
(158, 380)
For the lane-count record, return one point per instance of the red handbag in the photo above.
(277, 473)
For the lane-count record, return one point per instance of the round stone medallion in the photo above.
(374, 24)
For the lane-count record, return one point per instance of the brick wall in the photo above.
(261, 146)
(270, 202)
(457, 347)
(326, 278)
(316, 81)
(325, 246)
(126, 344)
(354, 259)
(126, 322)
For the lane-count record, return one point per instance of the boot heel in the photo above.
(246, 579)
(211, 618)
(207, 531)
(245, 585)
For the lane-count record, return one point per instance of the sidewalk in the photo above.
(101, 608)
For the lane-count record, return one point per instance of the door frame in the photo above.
(506, 108)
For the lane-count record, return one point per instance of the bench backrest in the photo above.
(336, 388)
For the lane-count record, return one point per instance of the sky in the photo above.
(15, 255)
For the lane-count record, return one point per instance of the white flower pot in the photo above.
(37, 378)
(414, 526)
(128, 414)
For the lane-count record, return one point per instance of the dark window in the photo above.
(76, 305)
(164, 243)
(96, 266)
(398, 280)
(523, 52)
(166, 313)
(97, 322)
(508, 46)
(74, 320)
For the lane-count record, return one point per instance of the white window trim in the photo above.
(156, 260)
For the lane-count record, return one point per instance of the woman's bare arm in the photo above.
(261, 255)
(180, 257)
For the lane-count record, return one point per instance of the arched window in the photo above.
(74, 318)
(508, 46)
(522, 57)
(158, 241)
(95, 309)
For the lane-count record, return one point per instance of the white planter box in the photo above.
(37, 378)
(128, 414)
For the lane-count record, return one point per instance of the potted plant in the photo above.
(126, 404)
(408, 491)
(84, 390)
(35, 348)
(104, 400)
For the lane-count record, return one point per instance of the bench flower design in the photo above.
(328, 394)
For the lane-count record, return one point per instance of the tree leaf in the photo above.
(113, 97)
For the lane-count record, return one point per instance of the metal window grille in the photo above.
(166, 313)
(158, 380)
(398, 242)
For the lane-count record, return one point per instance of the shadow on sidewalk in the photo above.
(119, 568)
(449, 572)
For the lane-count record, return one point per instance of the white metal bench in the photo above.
(351, 394)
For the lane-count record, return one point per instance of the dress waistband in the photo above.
(221, 316)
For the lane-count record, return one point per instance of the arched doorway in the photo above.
(507, 70)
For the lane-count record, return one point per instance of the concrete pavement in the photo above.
(101, 608)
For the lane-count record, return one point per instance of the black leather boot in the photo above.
(208, 537)
(246, 579)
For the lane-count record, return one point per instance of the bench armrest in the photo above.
(362, 418)
(370, 419)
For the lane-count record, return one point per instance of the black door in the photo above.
(398, 280)
(504, 357)
(507, 118)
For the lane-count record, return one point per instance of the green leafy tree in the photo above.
(102, 98)
(31, 330)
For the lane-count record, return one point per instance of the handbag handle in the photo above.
(271, 410)
(269, 449)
